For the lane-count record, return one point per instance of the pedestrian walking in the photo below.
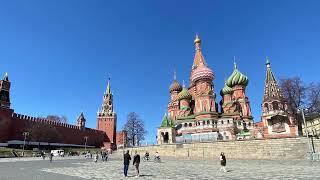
(126, 162)
(96, 157)
(51, 156)
(223, 162)
(136, 163)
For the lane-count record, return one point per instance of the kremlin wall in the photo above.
(13, 125)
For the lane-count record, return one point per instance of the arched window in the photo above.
(203, 122)
(228, 121)
(208, 122)
(185, 124)
(249, 123)
(239, 123)
(221, 121)
(275, 105)
(190, 124)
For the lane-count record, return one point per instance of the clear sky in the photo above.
(59, 54)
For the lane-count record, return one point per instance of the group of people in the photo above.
(126, 162)
(43, 155)
(136, 162)
(104, 156)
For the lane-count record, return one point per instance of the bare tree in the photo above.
(294, 92)
(43, 132)
(313, 96)
(299, 95)
(56, 118)
(135, 129)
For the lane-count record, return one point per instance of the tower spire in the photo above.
(108, 87)
(174, 75)
(271, 90)
(6, 78)
(268, 62)
(234, 62)
(198, 57)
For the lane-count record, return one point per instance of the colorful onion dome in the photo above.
(201, 72)
(200, 69)
(184, 94)
(237, 78)
(175, 86)
(225, 90)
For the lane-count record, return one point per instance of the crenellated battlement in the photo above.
(50, 122)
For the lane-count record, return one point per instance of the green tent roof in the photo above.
(166, 122)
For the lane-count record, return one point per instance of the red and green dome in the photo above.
(184, 94)
(237, 78)
(226, 90)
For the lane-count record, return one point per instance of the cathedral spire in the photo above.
(108, 91)
(198, 57)
(271, 89)
(6, 78)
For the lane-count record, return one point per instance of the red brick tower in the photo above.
(107, 118)
(201, 86)
(5, 111)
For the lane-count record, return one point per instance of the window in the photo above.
(239, 123)
(185, 124)
(190, 124)
(228, 121)
(221, 121)
(275, 105)
(249, 123)
(208, 122)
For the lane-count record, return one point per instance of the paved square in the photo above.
(80, 168)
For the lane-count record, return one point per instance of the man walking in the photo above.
(136, 162)
(51, 155)
(126, 162)
(223, 161)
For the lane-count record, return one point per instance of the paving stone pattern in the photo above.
(70, 169)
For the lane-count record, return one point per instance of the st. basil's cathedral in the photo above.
(194, 115)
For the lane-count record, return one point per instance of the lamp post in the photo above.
(306, 130)
(25, 134)
(85, 143)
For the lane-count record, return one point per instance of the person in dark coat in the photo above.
(136, 163)
(223, 162)
(126, 162)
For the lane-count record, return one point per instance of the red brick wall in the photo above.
(5, 124)
(68, 134)
(121, 137)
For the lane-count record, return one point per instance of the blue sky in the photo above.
(59, 54)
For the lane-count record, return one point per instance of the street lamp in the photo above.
(306, 130)
(25, 134)
(85, 143)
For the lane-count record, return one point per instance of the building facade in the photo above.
(193, 113)
(13, 125)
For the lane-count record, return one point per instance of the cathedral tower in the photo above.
(81, 121)
(107, 118)
(201, 86)
(277, 120)
(174, 89)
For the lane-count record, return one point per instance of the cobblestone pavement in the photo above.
(71, 169)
